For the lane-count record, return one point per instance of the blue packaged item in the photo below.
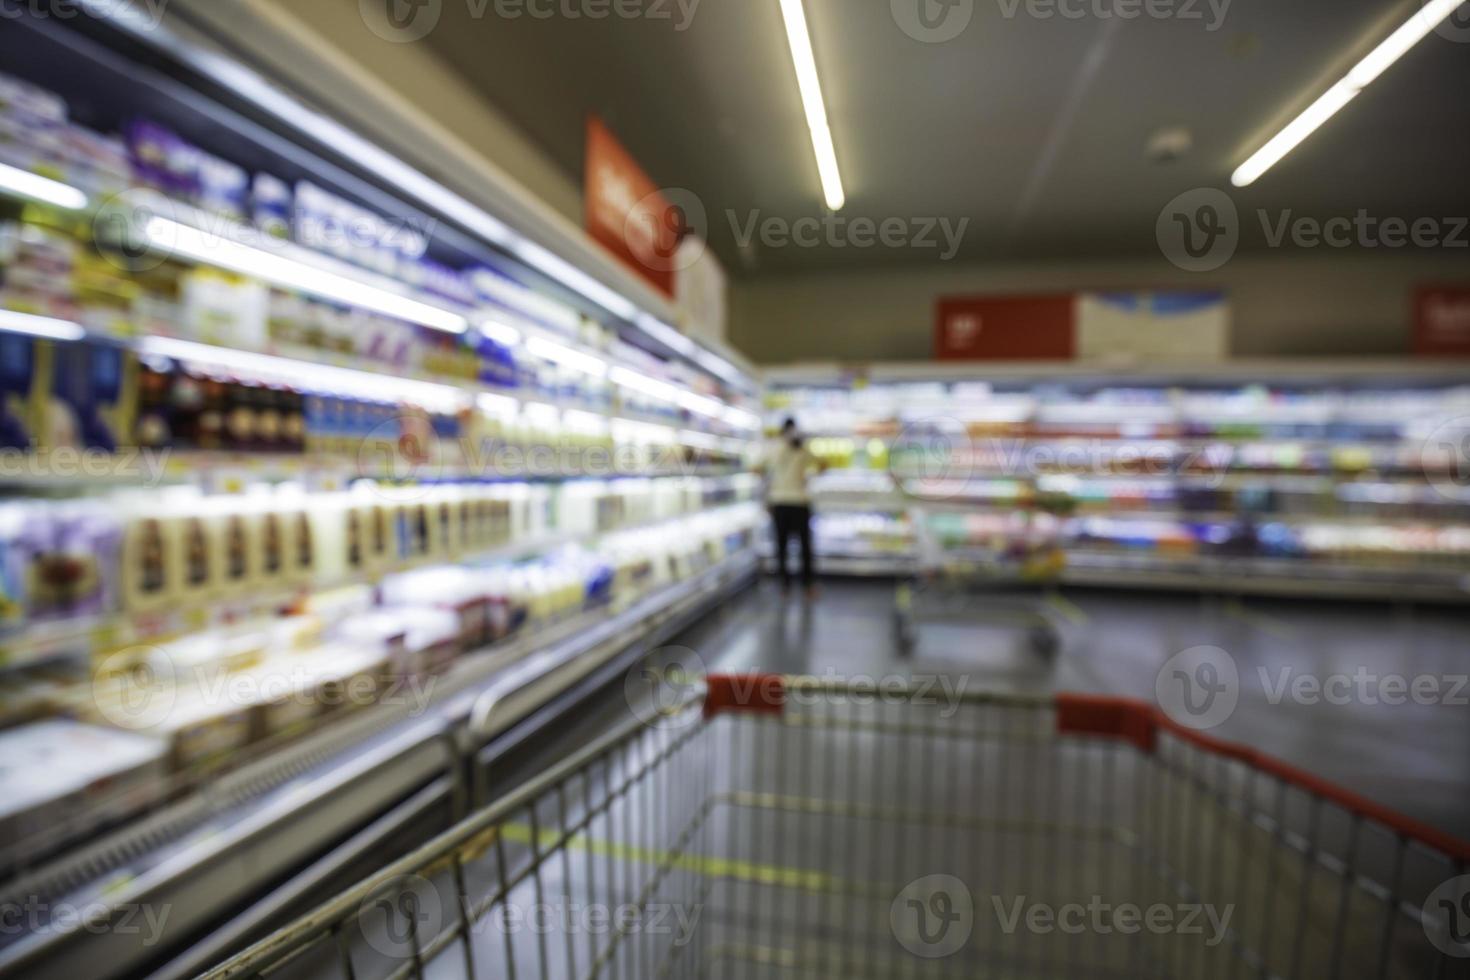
(599, 584)
(91, 395)
(162, 160)
(18, 378)
(270, 206)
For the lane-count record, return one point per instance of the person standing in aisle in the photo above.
(789, 467)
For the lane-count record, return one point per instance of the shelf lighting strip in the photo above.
(567, 357)
(306, 375)
(666, 392)
(43, 189)
(220, 250)
(46, 327)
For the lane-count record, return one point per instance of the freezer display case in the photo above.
(306, 459)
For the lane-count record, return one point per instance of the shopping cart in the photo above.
(1003, 571)
(777, 827)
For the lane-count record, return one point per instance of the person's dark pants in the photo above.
(792, 521)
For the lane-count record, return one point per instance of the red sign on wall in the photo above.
(627, 213)
(1007, 328)
(1442, 321)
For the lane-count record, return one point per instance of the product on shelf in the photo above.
(61, 772)
(1191, 473)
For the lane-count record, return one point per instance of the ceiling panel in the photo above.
(1034, 129)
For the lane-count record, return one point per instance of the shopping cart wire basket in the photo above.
(779, 827)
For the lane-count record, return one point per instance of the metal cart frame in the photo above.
(998, 585)
(802, 825)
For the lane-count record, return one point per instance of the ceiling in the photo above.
(1034, 129)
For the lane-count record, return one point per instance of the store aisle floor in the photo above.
(1409, 756)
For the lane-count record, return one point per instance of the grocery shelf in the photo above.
(1324, 478)
(179, 69)
(72, 637)
(1267, 577)
(307, 356)
(208, 853)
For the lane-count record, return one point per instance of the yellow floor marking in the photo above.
(713, 867)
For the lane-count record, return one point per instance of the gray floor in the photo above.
(1411, 757)
(790, 838)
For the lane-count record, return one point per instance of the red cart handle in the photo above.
(1139, 723)
(761, 694)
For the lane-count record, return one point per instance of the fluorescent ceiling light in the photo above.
(40, 326)
(43, 189)
(1424, 20)
(502, 334)
(279, 270)
(567, 357)
(307, 375)
(811, 99)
